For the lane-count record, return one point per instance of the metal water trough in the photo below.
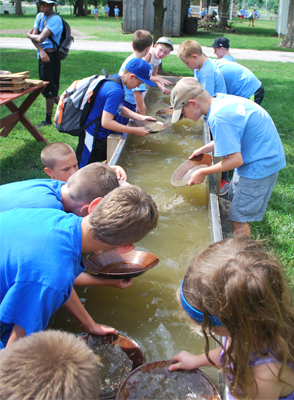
(213, 204)
(212, 200)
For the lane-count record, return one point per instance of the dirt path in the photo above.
(81, 43)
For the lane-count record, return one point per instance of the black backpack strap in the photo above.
(50, 37)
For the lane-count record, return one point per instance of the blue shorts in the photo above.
(250, 197)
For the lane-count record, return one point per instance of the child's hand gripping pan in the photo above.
(183, 174)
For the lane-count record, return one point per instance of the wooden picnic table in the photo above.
(17, 113)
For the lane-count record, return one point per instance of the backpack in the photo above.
(76, 103)
(65, 40)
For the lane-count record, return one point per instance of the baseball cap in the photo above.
(141, 69)
(165, 40)
(221, 42)
(48, 2)
(185, 90)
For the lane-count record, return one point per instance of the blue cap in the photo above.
(195, 314)
(141, 69)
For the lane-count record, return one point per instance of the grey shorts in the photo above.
(250, 197)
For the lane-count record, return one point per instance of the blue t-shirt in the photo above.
(106, 9)
(35, 193)
(229, 57)
(189, 11)
(211, 78)
(116, 11)
(242, 11)
(240, 81)
(239, 125)
(54, 24)
(129, 93)
(109, 98)
(41, 256)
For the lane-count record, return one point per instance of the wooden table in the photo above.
(17, 113)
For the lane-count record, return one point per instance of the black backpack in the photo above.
(76, 102)
(65, 40)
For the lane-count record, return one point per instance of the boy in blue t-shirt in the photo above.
(221, 47)
(240, 81)
(95, 11)
(41, 257)
(245, 135)
(108, 105)
(207, 73)
(142, 42)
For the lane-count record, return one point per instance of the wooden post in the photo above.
(112, 142)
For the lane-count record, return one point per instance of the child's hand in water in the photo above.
(185, 361)
(122, 283)
(101, 330)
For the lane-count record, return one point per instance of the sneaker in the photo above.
(44, 123)
(224, 187)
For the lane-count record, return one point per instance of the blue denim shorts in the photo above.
(250, 197)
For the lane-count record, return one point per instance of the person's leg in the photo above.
(250, 201)
(50, 72)
(241, 228)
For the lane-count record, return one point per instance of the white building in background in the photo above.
(282, 18)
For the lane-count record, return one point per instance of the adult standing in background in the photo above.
(45, 36)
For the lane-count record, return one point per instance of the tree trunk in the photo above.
(80, 8)
(159, 11)
(18, 9)
(288, 40)
(224, 13)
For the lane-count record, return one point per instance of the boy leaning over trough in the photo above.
(245, 135)
(41, 257)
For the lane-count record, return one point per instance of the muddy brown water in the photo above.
(148, 311)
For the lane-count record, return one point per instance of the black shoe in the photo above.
(44, 123)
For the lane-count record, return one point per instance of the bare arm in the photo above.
(39, 37)
(43, 55)
(85, 279)
(140, 102)
(75, 308)
(204, 149)
(232, 161)
(16, 333)
(108, 122)
(188, 361)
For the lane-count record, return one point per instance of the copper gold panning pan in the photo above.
(183, 174)
(128, 345)
(139, 384)
(165, 113)
(122, 266)
(151, 126)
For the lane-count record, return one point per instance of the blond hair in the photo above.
(92, 181)
(141, 40)
(124, 216)
(54, 152)
(188, 48)
(49, 365)
(236, 281)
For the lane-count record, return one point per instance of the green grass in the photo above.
(20, 152)
(262, 37)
